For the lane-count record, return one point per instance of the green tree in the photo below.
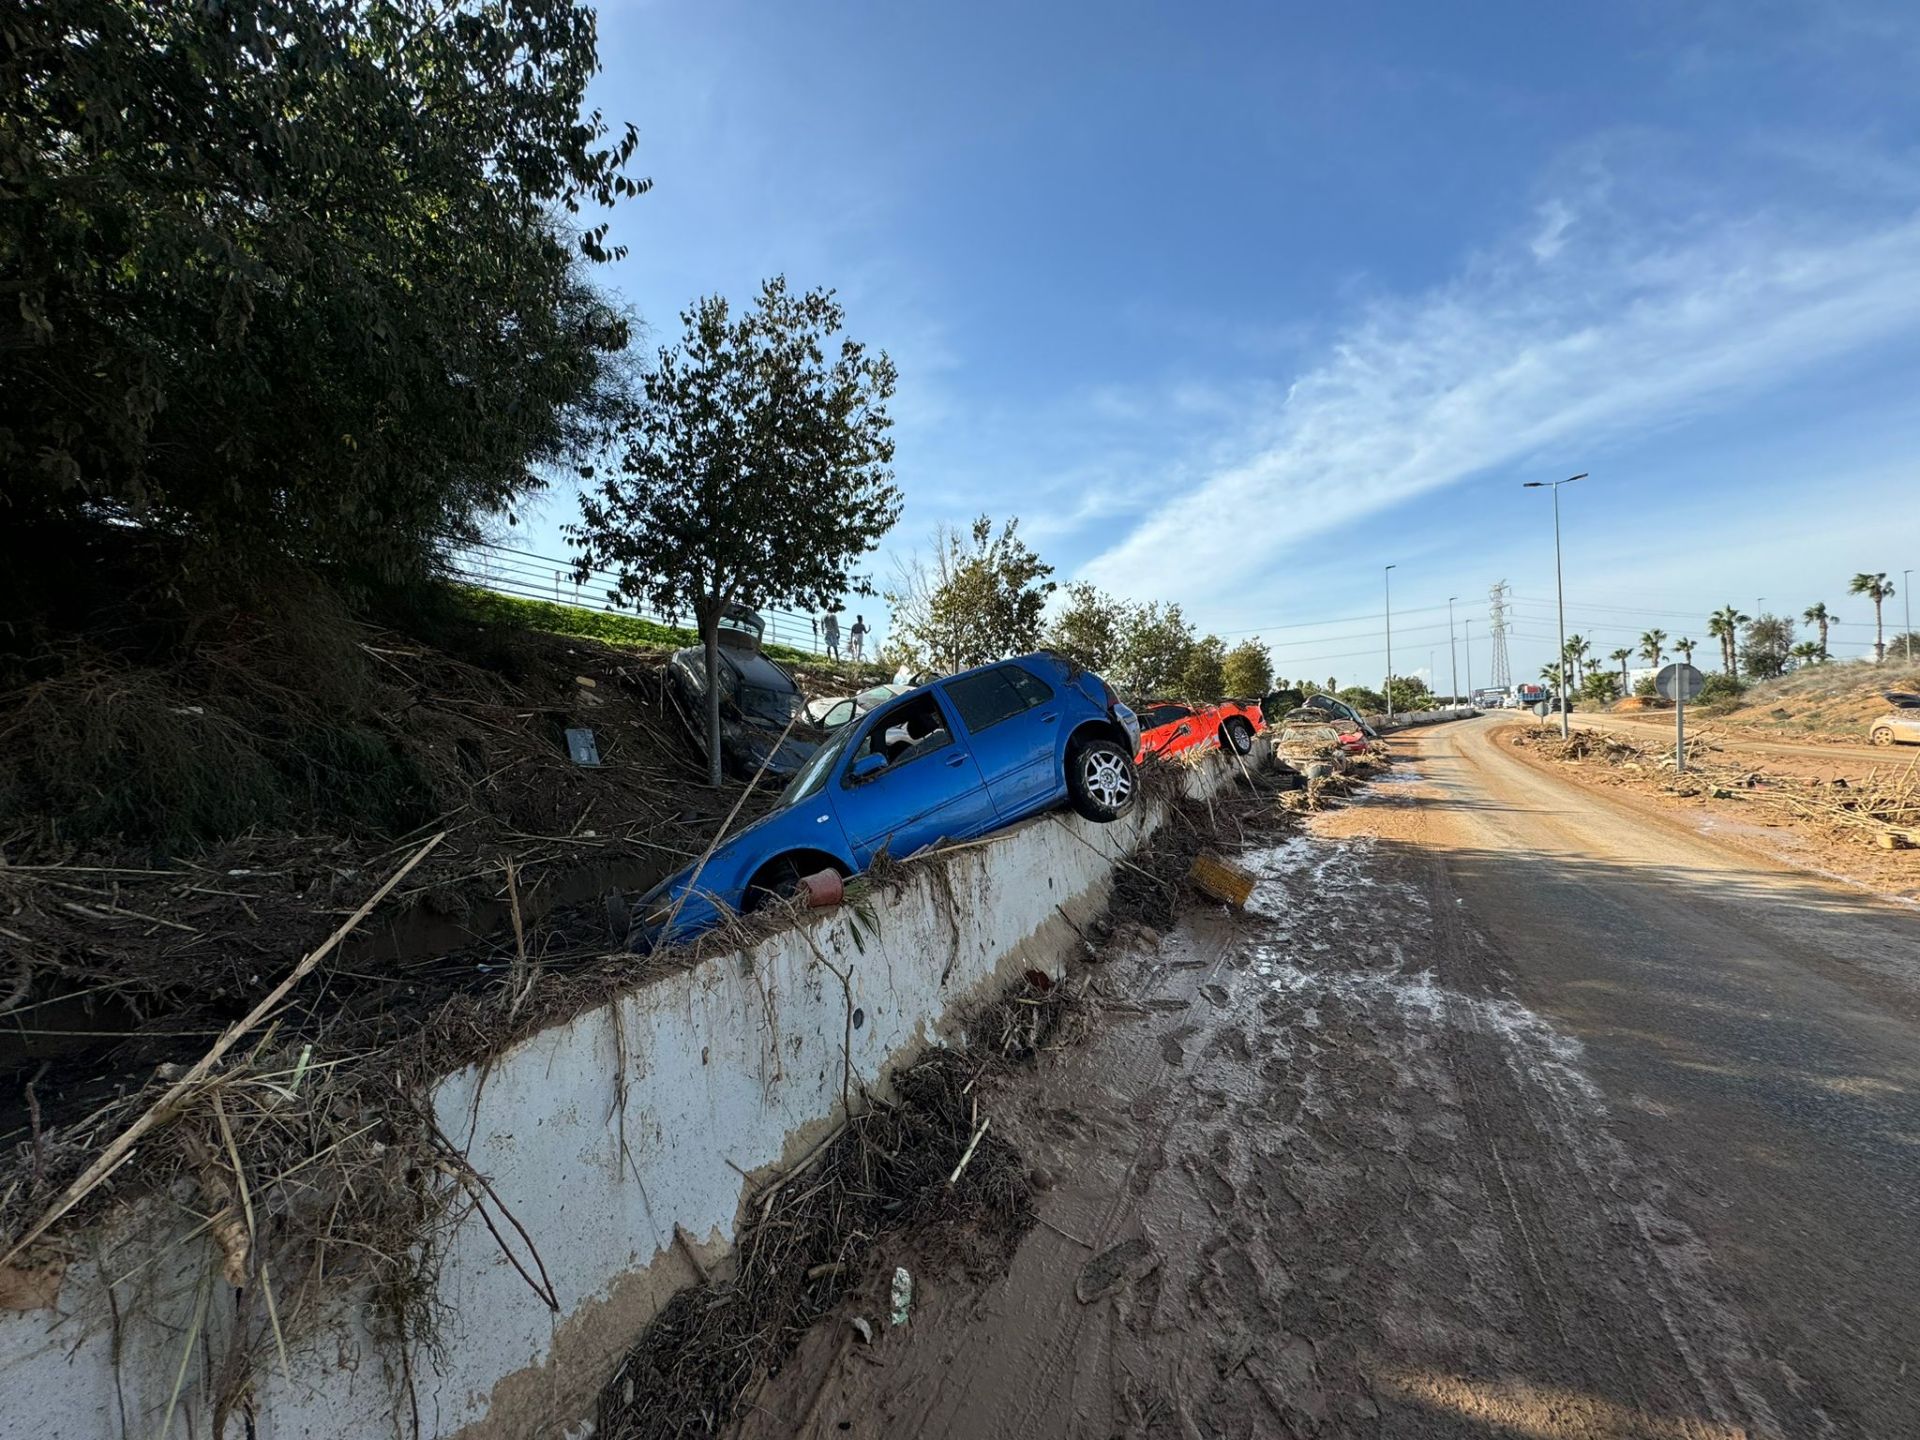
(1805, 653)
(1651, 646)
(1577, 648)
(1818, 614)
(1877, 588)
(300, 277)
(1602, 686)
(1620, 658)
(1248, 670)
(1684, 648)
(983, 598)
(1409, 693)
(1153, 649)
(1766, 646)
(1088, 630)
(757, 468)
(1367, 702)
(1203, 671)
(1724, 625)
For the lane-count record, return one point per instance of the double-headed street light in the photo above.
(1560, 588)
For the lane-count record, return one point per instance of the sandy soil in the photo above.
(1498, 1113)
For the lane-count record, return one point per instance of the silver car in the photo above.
(1902, 727)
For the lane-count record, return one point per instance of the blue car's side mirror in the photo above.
(866, 767)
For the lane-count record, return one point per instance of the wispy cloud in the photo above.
(1517, 356)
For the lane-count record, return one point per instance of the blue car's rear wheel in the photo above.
(1100, 779)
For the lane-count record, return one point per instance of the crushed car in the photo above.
(949, 761)
(1340, 709)
(1169, 727)
(763, 721)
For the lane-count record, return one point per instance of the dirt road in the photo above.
(1502, 1111)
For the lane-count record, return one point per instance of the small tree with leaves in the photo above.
(757, 468)
(983, 598)
(1203, 670)
(1153, 649)
(1248, 672)
(1088, 630)
(1766, 646)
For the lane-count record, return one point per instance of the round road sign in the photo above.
(1678, 681)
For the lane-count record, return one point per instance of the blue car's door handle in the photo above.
(956, 762)
(1049, 719)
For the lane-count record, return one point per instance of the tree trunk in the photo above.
(1879, 637)
(1823, 639)
(710, 638)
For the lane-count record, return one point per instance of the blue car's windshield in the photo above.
(812, 775)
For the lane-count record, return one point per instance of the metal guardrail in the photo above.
(525, 575)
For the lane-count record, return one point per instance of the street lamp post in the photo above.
(1388, 581)
(1560, 587)
(1466, 643)
(1453, 654)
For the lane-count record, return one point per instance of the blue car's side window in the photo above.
(898, 737)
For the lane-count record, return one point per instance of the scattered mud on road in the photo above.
(1318, 1172)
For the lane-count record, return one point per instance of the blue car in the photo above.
(947, 761)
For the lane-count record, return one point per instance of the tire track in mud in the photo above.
(1382, 1198)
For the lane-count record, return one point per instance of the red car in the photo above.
(1168, 727)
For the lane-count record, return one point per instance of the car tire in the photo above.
(1239, 735)
(1883, 736)
(1101, 782)
(781, 879)
(777, 880)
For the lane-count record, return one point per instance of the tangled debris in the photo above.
(923, 1159)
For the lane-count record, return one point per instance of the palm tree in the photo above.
(1877, 588)
(1818, 614)
(1551, 674)
(1724, 624)
(1620, 658)
(1684, 648)
(1806, 652)
(1576, 655)
(1650, 647)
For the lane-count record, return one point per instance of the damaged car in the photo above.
(762, 717)
(1902, 727)
(1169, 727)
(950, 761)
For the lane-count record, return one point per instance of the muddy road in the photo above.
(1504, 1110)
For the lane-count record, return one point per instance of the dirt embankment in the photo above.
(1832, 704)
(1859, 821)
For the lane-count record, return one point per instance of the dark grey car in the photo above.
(758, 699)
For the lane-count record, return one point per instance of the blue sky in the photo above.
(1235, 305)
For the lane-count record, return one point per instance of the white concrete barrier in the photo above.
(734, 1065)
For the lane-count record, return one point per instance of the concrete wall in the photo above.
(733, 1066)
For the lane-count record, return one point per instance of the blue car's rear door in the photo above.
(1012, 720)
(929, 788)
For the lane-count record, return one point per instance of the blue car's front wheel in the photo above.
(1100, 779)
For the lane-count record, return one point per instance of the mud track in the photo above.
(1497, 1114)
